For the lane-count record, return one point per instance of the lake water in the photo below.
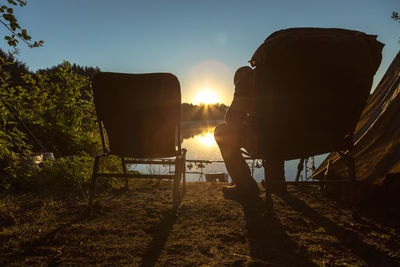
(198, 139)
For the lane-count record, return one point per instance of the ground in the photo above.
(137, 228)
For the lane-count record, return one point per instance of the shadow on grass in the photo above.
(268, 241)
(162, 231)
(34, 247)
(348, 238)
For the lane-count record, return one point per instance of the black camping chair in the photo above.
(312, 85)
(139, 118)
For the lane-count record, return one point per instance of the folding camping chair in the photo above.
(312, 85)
(139, 119)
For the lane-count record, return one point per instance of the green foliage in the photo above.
(86, 91)
(52, 107)
(58, 109)
(63, 115)
(10, 22)
(69, 175)
(56, 105)
(396, 16)
(63, 176)
(14, 69)
(14, 147)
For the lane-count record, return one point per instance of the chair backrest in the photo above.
(141, 113)
(377, 136)
(312, 85)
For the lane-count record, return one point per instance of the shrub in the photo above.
(57, 106)
(62, 176)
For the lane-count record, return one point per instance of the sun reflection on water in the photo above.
(200, 144)
(206, 139)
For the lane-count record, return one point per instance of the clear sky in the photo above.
(201, 42)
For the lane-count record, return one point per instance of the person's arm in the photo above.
(238, 113)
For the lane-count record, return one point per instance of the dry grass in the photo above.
(137, 228)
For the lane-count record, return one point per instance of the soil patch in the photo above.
(137, 228)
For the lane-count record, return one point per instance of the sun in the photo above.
(206, 97)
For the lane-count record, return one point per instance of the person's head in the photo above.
(241, 73)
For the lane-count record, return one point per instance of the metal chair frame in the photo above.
(179, 173)
(267, 183)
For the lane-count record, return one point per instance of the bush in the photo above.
(56, 105)
(70, 175)
(63, 176)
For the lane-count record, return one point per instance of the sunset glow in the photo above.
(206, 139)
(206, 97)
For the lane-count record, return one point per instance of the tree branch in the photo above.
(36, 44)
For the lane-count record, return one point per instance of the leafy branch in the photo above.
(10, 22)
(396, 16)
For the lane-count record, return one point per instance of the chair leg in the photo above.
(175, 189)
(125, 172)
(299, 169)
(268, 185)
(184, 172)
(92, 188)
(351, 165)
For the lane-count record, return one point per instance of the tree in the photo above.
(52, 106)
(396, 16)
(86, 91)
(10, 22)
(14, 144)
(14, 68)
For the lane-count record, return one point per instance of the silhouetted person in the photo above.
(239, 131)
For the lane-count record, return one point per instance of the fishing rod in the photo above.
(14, 112)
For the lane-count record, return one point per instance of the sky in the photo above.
(201, 42)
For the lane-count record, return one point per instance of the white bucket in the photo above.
(38, 158)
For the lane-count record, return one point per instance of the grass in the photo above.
(137, 228)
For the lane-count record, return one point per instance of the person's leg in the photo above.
(229, 143)
(275, 167)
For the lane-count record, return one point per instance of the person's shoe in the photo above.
(235, 192)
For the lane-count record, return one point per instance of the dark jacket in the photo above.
(241, 111)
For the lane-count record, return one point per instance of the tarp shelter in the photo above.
(377, 135)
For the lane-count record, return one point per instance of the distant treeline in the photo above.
(192, 112)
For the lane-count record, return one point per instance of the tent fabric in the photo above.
(140, 112)
(311, 86)
(377, 138)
